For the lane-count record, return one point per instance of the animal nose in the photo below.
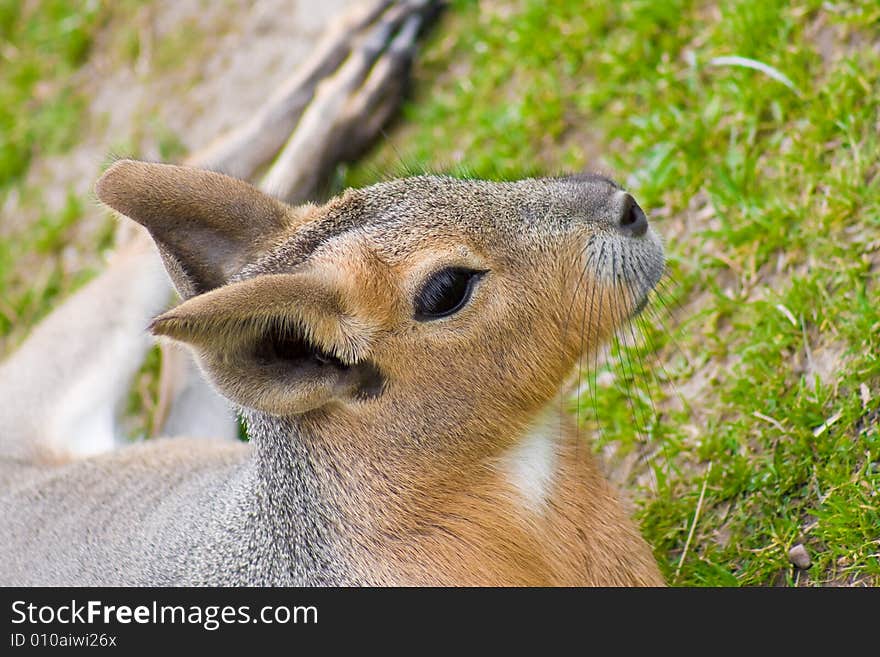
(632, 221)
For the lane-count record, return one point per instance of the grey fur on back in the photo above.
(151, 517)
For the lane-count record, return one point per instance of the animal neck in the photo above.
(368, 475)
(332, 494)
(329, 496)
(329, 467)
(298, 497)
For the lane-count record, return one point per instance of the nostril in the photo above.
(633, 221)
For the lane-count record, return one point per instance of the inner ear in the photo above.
(283, 350)
(281, 343)
(287, 344)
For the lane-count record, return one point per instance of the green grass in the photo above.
(47, 252)
(761, 357)
(33, 274)
(755, 394)
(43, 43)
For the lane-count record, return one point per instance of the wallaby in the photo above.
(397, 354)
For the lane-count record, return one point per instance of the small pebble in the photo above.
(799, 556)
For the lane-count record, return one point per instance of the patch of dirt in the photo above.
(201, 68)
(835, 41)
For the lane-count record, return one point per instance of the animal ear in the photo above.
(281, 343)
(207, 225)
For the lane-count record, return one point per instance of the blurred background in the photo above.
(740, 415)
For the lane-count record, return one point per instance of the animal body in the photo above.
(398, 354)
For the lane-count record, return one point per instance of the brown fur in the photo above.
(381, 448)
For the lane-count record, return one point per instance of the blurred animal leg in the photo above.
(62, 389)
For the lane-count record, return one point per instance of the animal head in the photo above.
(430, 304)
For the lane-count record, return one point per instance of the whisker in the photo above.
(664, 296)
(632, 330)
(572, 263)
(579, 281)
(649, 455)
(593, 328)
(580, 352)
(669, 378)
(618, 317)
(666, 307)
(584, 328)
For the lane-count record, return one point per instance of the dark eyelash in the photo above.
(445, 293)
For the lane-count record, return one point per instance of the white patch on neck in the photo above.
(530, 466)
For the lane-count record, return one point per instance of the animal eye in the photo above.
(445, 293)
